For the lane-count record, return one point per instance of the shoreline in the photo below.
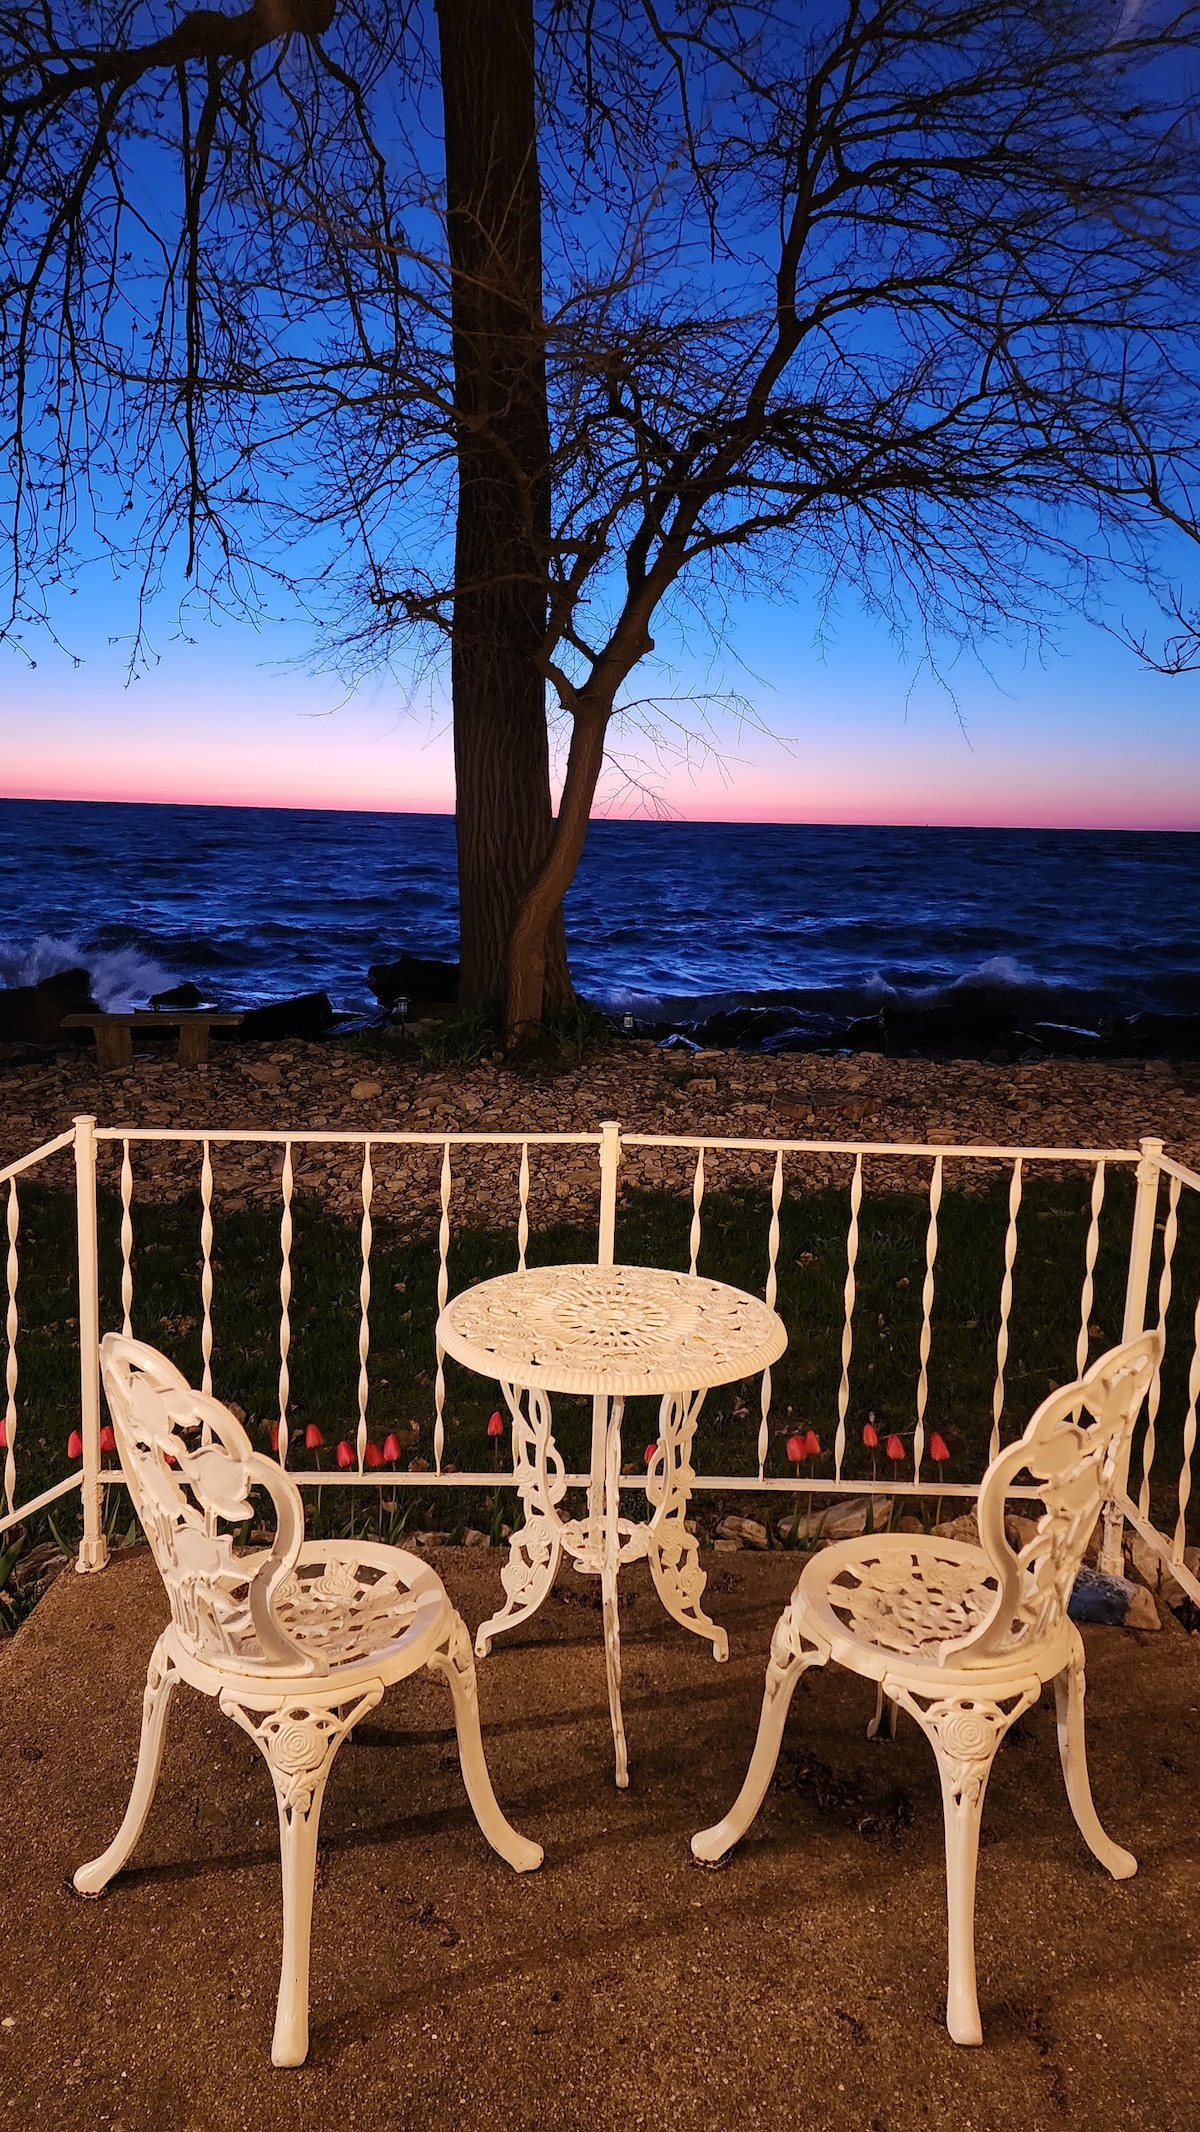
(347, 1086)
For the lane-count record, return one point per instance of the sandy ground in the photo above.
(800, 1989)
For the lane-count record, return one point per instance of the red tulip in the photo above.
(345, 1456)
(391, 1450)
(273, 1432)
(650, 1453)
(870, 1436)
(812, 1445)
(108, 1441)
(3, 1436)
(797, 1449)
(939, 1449)
(74, 1444)
(895, 1449)
(313, 1438)
(372, 1456)
(496, 1425)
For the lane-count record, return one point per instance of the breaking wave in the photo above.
(121, 978)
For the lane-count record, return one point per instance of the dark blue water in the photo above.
(255, 904)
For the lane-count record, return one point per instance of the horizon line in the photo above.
(668, 820)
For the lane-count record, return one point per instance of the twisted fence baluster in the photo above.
(364, 1303)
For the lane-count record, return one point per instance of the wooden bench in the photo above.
(114, 1033)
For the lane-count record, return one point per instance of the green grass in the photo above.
(652, 1230)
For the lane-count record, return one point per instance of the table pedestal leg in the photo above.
(608, 1587)
(674, 1551)
(535, 1549)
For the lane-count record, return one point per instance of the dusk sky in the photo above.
(1083, 736)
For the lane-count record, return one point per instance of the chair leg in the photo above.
(457, 1667)
(883, 1725)
(1069, 1688)
(298, 1741)
(791, 1655)
(161, 1681)
(965, 1733)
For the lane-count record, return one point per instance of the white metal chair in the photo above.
(964, 1637)
(296, 1641)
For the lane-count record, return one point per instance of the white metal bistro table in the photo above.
(612, 1332)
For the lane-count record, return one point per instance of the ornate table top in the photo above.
(615, 1329)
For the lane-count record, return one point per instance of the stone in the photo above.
(362, 1091)
(838, 1520)
(1112, 1601)
(747, 1531)
(418, 978)
(472, 1537)
(34, 1014)
(265, 1074)
(965, 1528)
(727, 1547)
(910, 1525)
(185, 995)
(1142, 1612)
(309, 1014)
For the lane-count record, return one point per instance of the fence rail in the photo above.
(780, 1163)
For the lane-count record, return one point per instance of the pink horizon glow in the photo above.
(752, 801)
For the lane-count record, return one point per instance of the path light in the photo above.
(345, 1456)
(74, 1444)
(313, 1438)
(391, 1450)
(627, 1024)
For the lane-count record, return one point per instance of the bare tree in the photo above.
(895, 298)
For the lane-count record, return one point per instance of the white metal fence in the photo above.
(936, 1165)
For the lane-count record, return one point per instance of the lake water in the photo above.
(256, 903)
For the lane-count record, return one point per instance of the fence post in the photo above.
(1137, 1285)
(610, 1162)
(93, 1550)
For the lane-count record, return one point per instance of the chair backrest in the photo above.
(191, 1467)
(1076, 1463)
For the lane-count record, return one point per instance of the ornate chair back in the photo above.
(191, 1468)
(1077, 1465)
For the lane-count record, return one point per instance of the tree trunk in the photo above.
(543, 899)
(501, 752)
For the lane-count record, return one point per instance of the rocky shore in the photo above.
(349, 1085)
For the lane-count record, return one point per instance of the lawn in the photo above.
(653, 1230)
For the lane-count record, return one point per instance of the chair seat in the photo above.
(356, 1602)
(893, 1601)
(364, 1608)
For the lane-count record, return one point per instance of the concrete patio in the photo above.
(799, 1989)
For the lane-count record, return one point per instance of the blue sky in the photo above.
(857, 729)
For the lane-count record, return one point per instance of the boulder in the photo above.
(415, 977)
(1114, 1601)
(33, 1014)
(184, 995)
(1153, 1036)
(745, 1027)
(311, 1014)
(964, 1026)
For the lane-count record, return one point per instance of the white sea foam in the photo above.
(122, 978)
